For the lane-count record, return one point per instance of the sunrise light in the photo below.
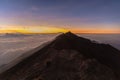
(32, 30)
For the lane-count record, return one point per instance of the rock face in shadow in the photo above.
(68, 57)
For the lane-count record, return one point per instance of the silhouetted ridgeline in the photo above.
(68, 57)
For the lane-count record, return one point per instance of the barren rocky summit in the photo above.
(68, 57)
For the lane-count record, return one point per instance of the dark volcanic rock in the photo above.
(68, 57)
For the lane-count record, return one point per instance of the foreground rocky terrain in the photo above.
(68, 57)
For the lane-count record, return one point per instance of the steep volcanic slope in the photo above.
(68, 57)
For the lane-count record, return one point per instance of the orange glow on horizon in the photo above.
(43, 29)
(95, 31)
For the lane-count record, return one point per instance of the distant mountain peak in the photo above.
(69, 32)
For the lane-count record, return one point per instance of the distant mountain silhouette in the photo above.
(14, 35)
(68, 57)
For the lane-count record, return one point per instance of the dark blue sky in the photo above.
(61, 13)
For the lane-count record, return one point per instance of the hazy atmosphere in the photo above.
(59, 39)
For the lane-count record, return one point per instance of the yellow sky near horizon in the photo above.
(32, 30)
(44, 29)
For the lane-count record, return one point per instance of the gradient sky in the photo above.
(80, 16)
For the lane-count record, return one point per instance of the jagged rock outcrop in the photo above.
(68, 57)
